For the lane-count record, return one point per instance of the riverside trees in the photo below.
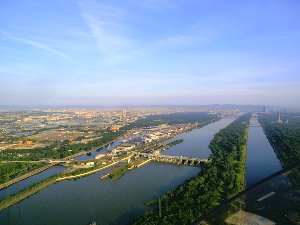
(284, 137)
(218, 180)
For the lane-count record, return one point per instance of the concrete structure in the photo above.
(279, 120)
(90, 164)
(173, 159)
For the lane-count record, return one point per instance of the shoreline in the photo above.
(28, 192)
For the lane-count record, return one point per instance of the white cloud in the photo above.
(38, 45)
(107, 25)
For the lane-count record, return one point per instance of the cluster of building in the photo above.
(150, 134)
(44, 126)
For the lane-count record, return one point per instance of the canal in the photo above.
(81, 201)
(261, 158)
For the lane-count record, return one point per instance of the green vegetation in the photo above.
(175, 143)
(62, 149)
(119, 171)
(11, 170)
(284, 137)
(80, 171)
(175, 118)
(59, 150)
(218, 180)
(27, 192)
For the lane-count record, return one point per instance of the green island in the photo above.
(217, 181)
(173, 143)
(119, 171)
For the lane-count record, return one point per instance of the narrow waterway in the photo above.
(261, 158)
(89, 198)
(15, 188)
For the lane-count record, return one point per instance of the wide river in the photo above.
(78, 202)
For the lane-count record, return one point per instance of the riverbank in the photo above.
(27, 192)
(86, 173)
(218, 180)
(25, 176)
(243, 161)
(45, 183)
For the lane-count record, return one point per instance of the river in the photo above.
(78, 202)
(261, 158)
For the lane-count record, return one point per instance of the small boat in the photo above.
(93, 223)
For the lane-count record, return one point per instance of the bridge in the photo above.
(58, 161)
(173, 159)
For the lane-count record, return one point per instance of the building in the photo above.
(90, 164)
(124, 114)
(279, 120)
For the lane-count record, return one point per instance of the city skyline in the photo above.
(150, 53)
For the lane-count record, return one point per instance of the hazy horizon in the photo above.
(246, 107)
(152, 52)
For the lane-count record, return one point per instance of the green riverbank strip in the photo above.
(27, 192)
(45, 183)
(217, 181)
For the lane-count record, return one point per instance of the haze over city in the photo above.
(150, 52)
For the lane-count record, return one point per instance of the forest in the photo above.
(217, 181)
(284, 136)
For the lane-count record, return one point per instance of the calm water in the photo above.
(196, 142)
(261, 158)
(77, 202)
(15, 188)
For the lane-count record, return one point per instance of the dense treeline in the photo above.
(10, 170)
(284, 137)
(218, 180)
(175, 118)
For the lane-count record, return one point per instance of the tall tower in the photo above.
(279, 120)
(124, 115)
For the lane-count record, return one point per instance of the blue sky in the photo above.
(130, 52)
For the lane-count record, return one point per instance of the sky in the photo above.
(150, 52)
